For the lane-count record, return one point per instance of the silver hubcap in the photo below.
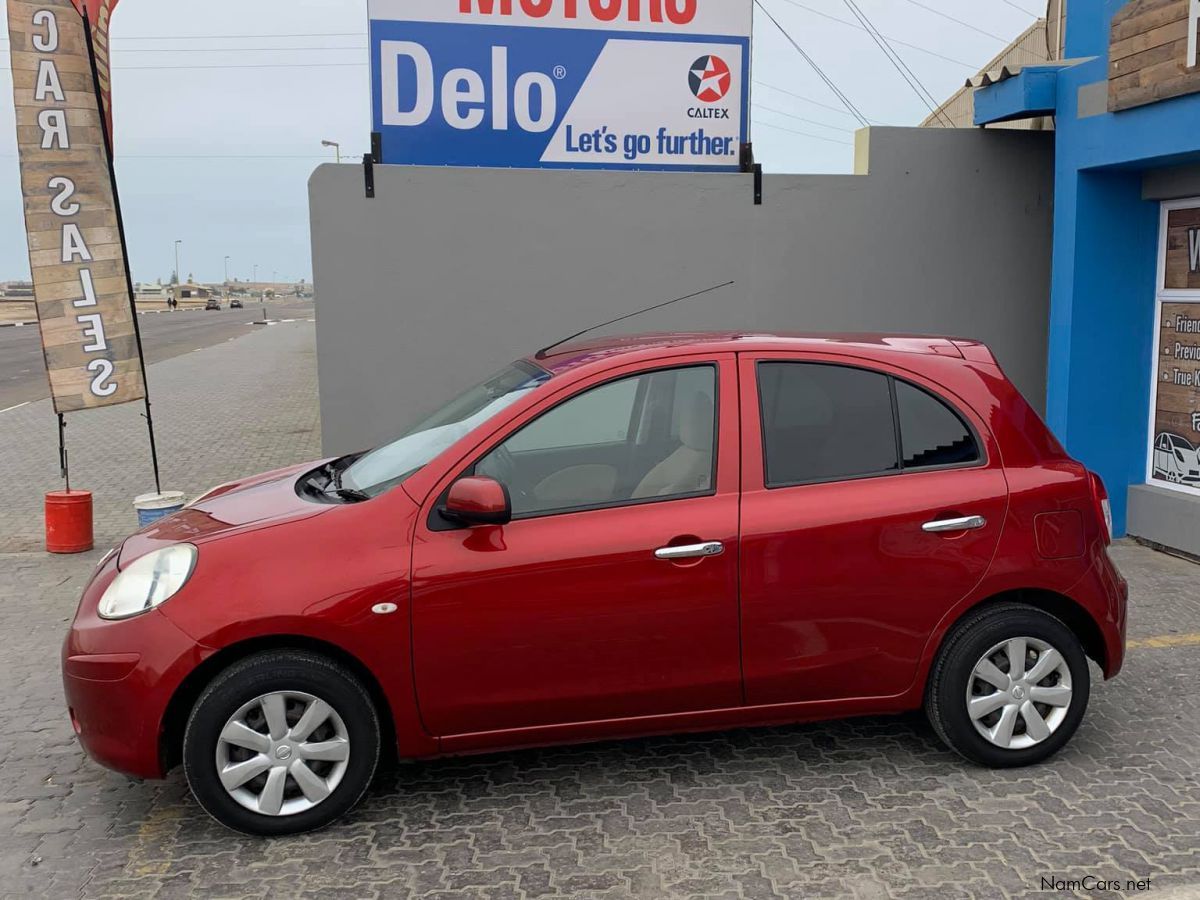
(283, 753)
(1019, 693)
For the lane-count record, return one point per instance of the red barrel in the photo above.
(69, 522)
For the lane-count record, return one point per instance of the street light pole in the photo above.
(176, 290)
(336, 147)
(227, 270)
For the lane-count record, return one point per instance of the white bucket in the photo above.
(152, 507)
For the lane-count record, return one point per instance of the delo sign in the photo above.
(608, 84)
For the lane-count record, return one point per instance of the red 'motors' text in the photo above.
(677, 12)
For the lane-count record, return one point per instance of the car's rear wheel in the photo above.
(1009, 687)
(281, 743)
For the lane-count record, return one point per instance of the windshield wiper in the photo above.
(351, 494)
(335, 486)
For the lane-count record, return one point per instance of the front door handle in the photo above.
(690, 551)
(967, 523)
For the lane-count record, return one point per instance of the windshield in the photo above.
(389, 465)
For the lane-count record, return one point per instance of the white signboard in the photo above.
(614, 84)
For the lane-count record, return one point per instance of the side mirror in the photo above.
(478, 501)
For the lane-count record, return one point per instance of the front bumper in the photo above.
(119, 678)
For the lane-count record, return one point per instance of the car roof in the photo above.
(869, 345)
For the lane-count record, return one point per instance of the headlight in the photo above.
(149, 581)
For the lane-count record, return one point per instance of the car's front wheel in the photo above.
(1009, 687)
(281, 743)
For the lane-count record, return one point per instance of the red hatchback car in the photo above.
(625, 537)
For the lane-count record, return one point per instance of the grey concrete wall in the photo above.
(448, 274)
(1165, 517)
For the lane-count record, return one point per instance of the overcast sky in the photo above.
(221, 108)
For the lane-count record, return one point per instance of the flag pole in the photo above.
(112, 174)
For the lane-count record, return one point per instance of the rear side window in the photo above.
(931, 434)
(825, 422)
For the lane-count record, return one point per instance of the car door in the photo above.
(569, 614)
(871, 505)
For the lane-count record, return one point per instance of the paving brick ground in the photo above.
(871, 808)
(243, 406)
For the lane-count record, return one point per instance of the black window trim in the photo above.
(900, 471)
(437, 522)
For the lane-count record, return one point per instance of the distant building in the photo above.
(191, 291)
(17, 289)
(1038, 44)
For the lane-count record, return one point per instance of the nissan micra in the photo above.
(623, 537)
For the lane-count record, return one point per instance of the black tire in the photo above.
(291, 671)
(952, 677)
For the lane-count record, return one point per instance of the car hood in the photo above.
(266, 500)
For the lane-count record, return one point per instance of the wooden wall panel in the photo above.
(1148, 55)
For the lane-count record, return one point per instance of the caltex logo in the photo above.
(710, 79)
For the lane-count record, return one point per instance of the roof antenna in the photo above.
(544, 352)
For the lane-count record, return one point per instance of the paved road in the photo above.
(164, 335)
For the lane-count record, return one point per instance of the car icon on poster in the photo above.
(1176, 460)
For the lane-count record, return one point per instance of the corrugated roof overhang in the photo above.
(1017, 92)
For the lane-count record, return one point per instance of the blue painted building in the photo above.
(1124, 368)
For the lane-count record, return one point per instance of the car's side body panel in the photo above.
(570, 617)
(340, 566)
(841, 586)
(830, 600)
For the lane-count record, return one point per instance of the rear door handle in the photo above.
(967, 523)
(690, 551)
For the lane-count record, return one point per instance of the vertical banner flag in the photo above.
(99, 15)
(580, 84)
(76, 252)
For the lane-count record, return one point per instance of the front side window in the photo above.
(824, 422)
(638, 439)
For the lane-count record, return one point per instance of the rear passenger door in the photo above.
(872, 503)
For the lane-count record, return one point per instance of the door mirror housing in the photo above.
(476, 500)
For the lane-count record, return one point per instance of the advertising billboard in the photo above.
(608, 84)
(76, 252)
(1174, 459)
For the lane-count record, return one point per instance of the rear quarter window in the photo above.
(931, 433)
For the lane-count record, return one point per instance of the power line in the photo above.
(233, 37)
(217, 37)
(780, 112)
(849, 24)
(1021, 9)
(231, 49)
(815, 137)
(195, 156)
(825, 78)
(839, 110)
(894, 58)
(948, 17)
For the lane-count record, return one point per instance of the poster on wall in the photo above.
(76, 252)
(609, 84)
(1182, 269)
(1175, 451)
